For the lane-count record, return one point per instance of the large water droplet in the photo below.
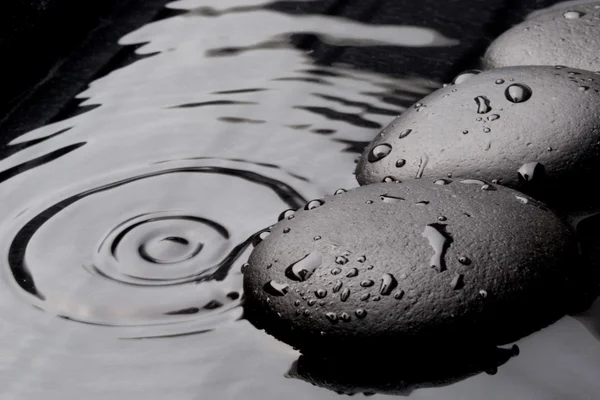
(286, 214)
(438, 241)
(345, 317)
(331, 316)
(275, 288)
(367, 283)
(336, 271)
(464, 76)
(361, 259)
(464, 260)
(399, 294)
(360, 313)
(517, 93)
(404, 133)
(483, 105)
(483, 294)
(390, 199)
(378, 152)
(352, 273)
(302, 269)
(259, 237)
(493, 117)
(388, 283)
(311, 205)
(345, 294)
(321, 293)
(341, 260)
(573, 14)
(286, 230)
(365, 297)
(400, 163)
(337, 286)
(530, 172)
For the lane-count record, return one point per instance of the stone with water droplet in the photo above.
(352, 273)
(535, 109)
(286, 214)
(401, 293)
(464, 76)
(311, 205)
(379, 152)
(340, 191)
(341, 260)
(570, 37)
(405, 133)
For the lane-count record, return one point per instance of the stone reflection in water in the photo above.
(131, 220)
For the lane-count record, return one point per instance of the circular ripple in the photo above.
(106, 255)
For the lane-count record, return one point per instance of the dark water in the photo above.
(124, 228)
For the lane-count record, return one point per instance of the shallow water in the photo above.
(124, 228)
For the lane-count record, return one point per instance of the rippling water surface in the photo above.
(124, 228)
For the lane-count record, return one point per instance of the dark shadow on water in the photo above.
(398, 374)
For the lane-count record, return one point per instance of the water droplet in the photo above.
(286, 230)
(345, 294)
(306, 313)
(259, 237)
(465, 132)
(522, 199)
(369, 202)
(341, 260)
(478, 119)
(439, 242)
(302, 269)
(321, 293)
(286, 214)
(388, 283)
(376, 298)
(378, 152)
(464, 76)
(488, 188)
(367, 283)
(422, 164)
(483, 294)
(269, 266)
(390, 199)
(336, 271)
(337, 286)
(473, 182)
(405, 133)
(311, 302)
(483, 104)
(400, 163)
(352, 273)
(360, 313)
(365, 297)
(573, 14)
(493, 117)
(517, 93)
(297, 303)
(499, 81)
(311, 205)
(244, 268)
(457, 282)
(399, 294)
(464, 260)
(583, 88)
(487, 130)
(388, 179)
(442, 218)
(345, 317)
(417, 105)
(442, 181)
(339, 191)
(317, 238)
(370, 267)
(361, 259)
(531, 171)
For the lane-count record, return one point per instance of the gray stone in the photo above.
(568, 36)
(535, 129)
(397, 265)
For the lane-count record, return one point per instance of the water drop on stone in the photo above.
(483, 294)
(244, 268)
(442, 182)
(345, 317)
(488, 188)
(321, 293)
(365, 297)
(332, 317)
(573, 14)
(483, 105)
(399, 294)
(464, 76)
(487, 130)
(464, 260)
(376, 298)
(317, 238)
(388, 283)
(405, 133)
(379, 152)
(438, 242)
(465, 132)
(390, 199)
(337, 286)
(311, 205)
(499, 81)
(302, 269)
(297, 303)
(367, 283)
(360, 313)
(345, 294)
(522, 199)
(339, 191)
(583, 88)
(370, 267)
(311, 302)
(457, 282)
(286, 230)
(388, 179)
(259, 237)
(493, 117)
(336, 271)
(442, 218)
(361, 259)
(341, 260)
(400, 163)
(369, 202)
(306, 313)
(530, 171)
(517, 93)
(286, 214)
(352, 273)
